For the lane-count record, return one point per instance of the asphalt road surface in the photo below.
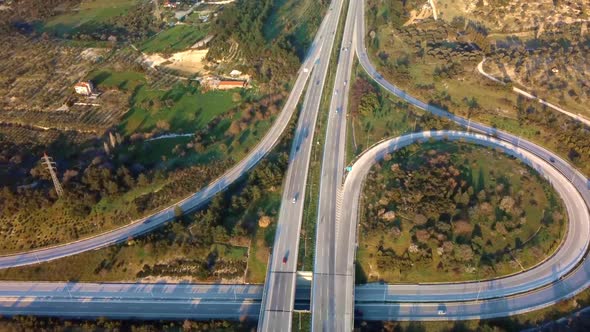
(329, 313)
(130, 301)
(279, 292)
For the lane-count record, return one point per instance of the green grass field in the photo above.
(177, 38)
(89, 13)
(189, 110)
(123, 80)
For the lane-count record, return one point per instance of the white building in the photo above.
(84, 88)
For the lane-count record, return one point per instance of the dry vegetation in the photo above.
(517, 16)
(437, 62)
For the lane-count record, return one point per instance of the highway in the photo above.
(239, 302)
(541, 286)
(193, 202)
(332, 294)
(572, 250)
(280, 288)
(328, 312)
(332, 304)
(135, 300)
(158, 300)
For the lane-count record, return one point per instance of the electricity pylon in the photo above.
(51, 167)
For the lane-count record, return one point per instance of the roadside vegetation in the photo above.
(31, 323)
(155, 138)
(267, 48)
(437, 62)
(375, 114)
(228, 240)
(446, 211)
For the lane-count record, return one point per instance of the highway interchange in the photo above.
(333, 296)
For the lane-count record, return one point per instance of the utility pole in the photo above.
(51, 167)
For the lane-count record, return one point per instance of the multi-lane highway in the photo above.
(328, 312)
(332, 298)
(124, 301)
(544, 284)
(280, 288)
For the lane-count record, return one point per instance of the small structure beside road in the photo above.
(216, 83)
(84, 88)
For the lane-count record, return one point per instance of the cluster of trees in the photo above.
(210, 268)
(24, 16)
(253, 112)
(550, 64)
(568, 136)
(365, 98)
(136, 24)
(438, 199)
(180, 183)
(238, 211)
(428, 43)
(270, 61)
(31, 10)
(44, 324)
(517, 16)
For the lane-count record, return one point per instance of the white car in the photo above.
(441, 312)
(294, 200)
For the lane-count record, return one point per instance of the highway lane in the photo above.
(191, 203)
(137, 300)
(280, 289)
(328, 312)
(132, 300)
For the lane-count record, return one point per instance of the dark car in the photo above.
(285, 260)
(551, 159)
